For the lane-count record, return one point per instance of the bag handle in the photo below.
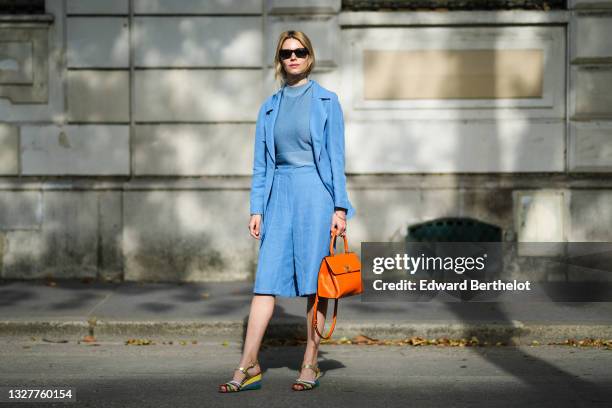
(314, 318)
(332, 243)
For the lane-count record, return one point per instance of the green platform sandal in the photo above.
(306, 385)
(249, 382)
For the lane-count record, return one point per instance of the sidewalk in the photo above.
(220, 310)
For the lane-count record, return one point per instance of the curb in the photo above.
(513, 332)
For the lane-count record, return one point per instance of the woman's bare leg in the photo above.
(262, 307)
(313, 340)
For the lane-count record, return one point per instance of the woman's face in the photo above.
(294, 66)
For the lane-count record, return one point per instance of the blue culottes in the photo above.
(295, 233)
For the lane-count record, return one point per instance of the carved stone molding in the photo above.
(24, 55)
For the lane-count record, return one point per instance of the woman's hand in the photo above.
(339, 223)
(254, 226)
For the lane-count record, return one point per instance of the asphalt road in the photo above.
(113, 374)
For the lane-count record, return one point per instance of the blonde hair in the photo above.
(279, 71)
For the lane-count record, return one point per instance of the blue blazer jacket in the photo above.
(327, 134)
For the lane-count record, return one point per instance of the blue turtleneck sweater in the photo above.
(292, 141)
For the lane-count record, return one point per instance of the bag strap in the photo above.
(332, 243)
(314, 318)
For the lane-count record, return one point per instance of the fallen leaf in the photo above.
(360, 339)
(586, 342)
(138, 342)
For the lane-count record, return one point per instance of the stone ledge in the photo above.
(356, 5)
(582, 180)
(26, 18)
(461, 17)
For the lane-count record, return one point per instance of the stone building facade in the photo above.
(126, 126)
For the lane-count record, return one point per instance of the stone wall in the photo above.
(126, 127)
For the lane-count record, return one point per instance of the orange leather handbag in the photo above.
(339, 276)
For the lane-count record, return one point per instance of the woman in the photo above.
(298, 199)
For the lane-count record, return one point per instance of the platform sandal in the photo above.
(307, 384)
(249, 382)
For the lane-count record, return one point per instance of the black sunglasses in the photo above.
(285, 53)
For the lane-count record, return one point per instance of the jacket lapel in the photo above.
(271, 114)
(318, 116)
